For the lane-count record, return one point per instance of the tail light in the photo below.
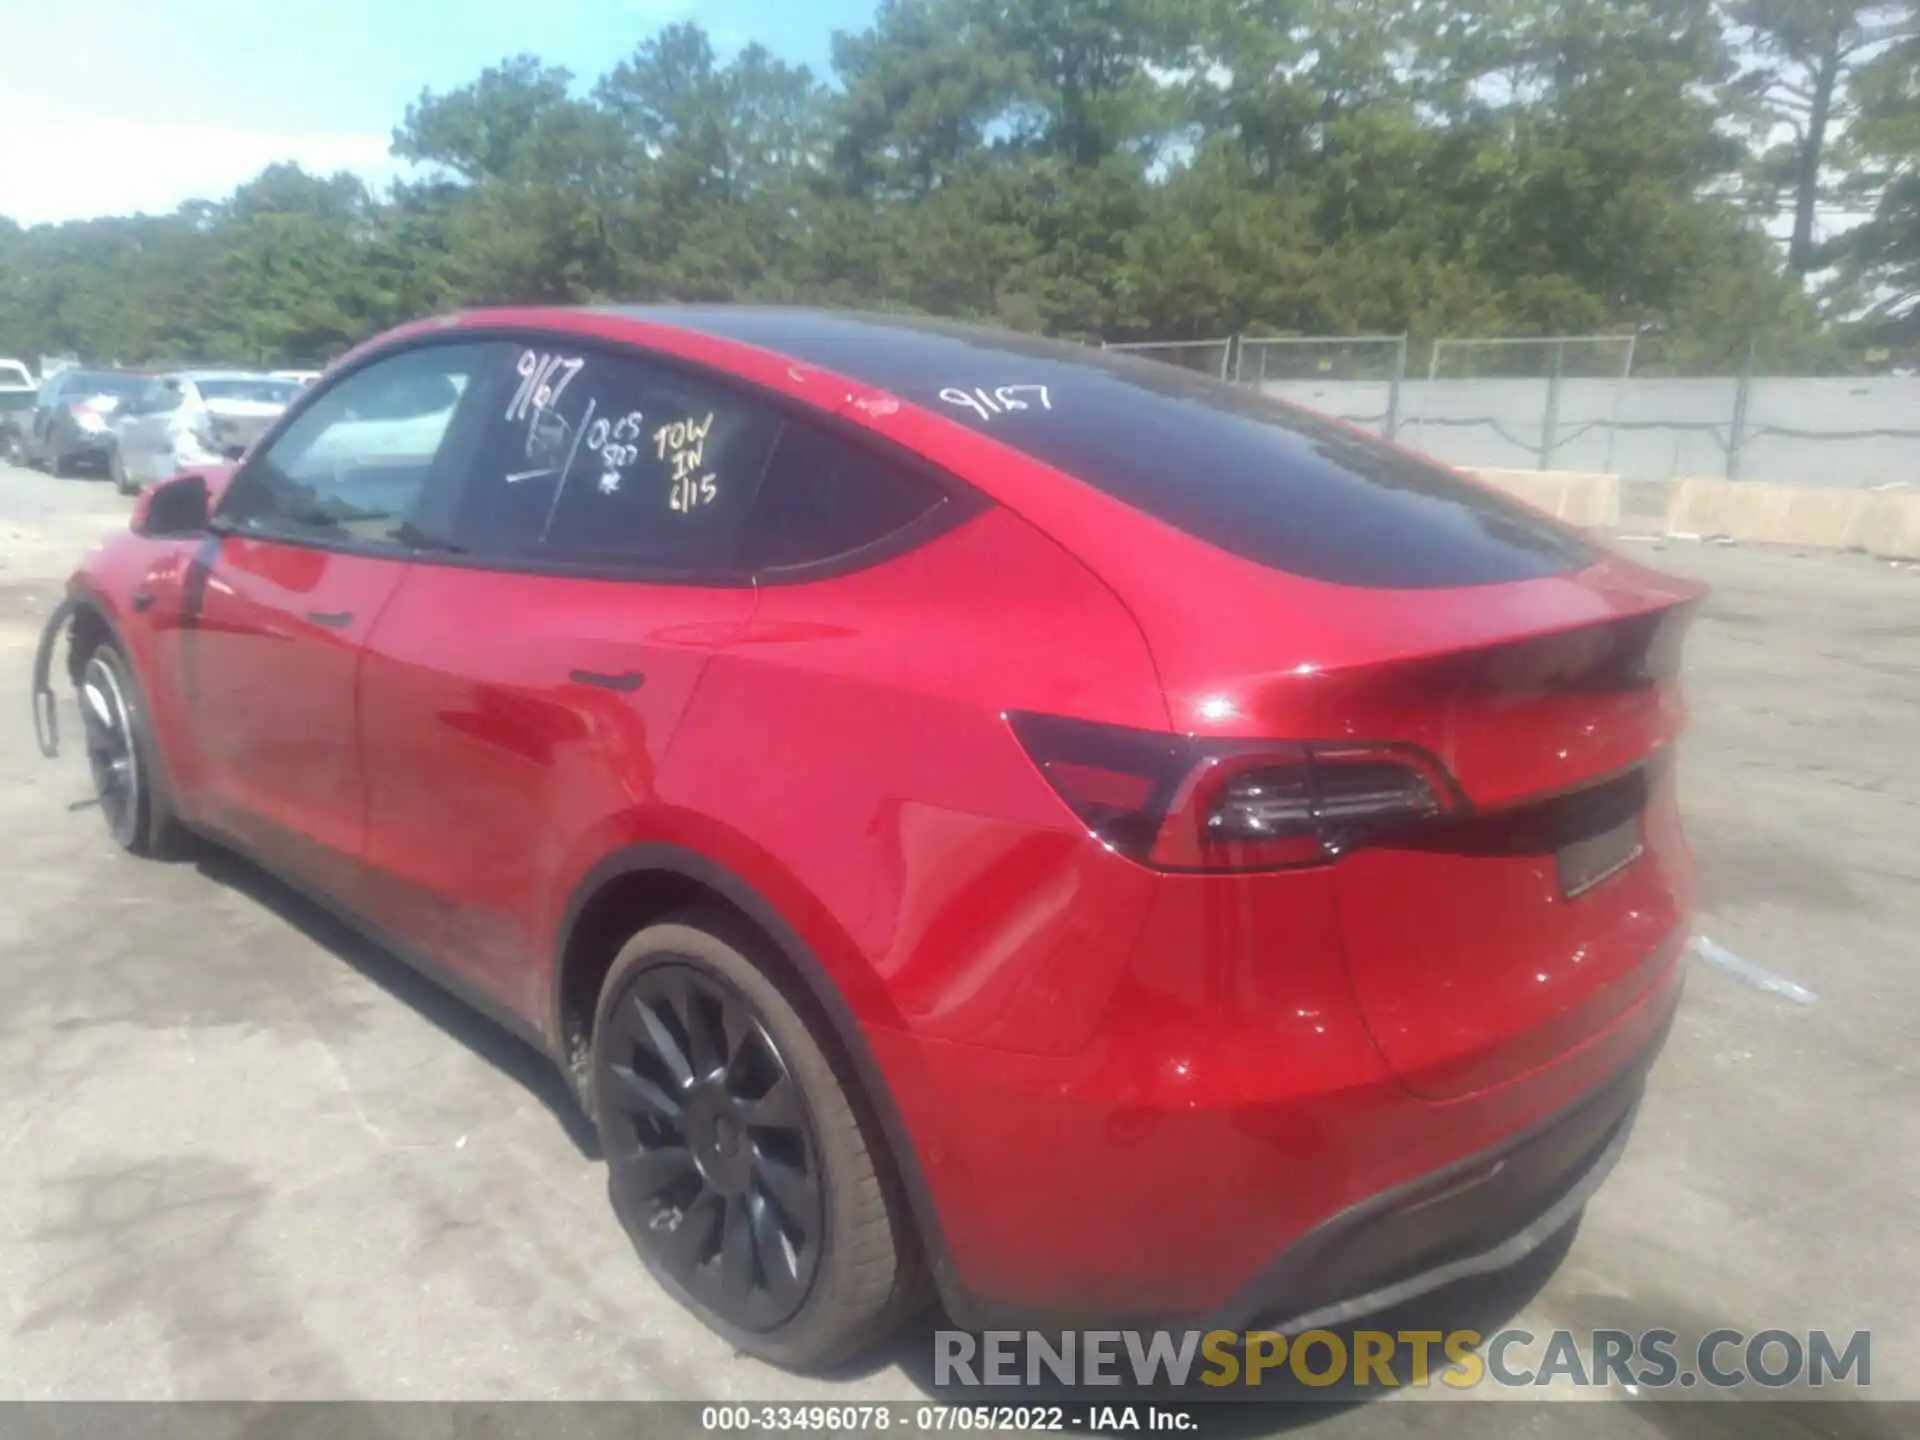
(1178, 802)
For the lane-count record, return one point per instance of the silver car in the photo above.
(192, 418)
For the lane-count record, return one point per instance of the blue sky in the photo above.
(112, 106)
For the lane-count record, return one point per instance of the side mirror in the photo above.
(174, 507)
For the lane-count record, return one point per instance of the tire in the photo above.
(59, 463)
(122, 755)
(756, 1196)
(122, 481)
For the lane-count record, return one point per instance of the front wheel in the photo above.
(120, 753)
(123, 482)
(736, 1160)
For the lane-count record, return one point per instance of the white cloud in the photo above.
(61, 161)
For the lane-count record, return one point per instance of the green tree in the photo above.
(1879, 260)
(1800, 59)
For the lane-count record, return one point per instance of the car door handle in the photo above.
(142, 600)
(626, 680)
(333, 619)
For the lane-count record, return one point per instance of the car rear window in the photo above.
(1282, 487)
(263, 391)
(1266, 481)
(96, 382)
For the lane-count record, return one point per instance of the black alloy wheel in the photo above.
(715, 1163)
(113, 754)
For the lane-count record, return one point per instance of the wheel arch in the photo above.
(90, 624)
(648, 881)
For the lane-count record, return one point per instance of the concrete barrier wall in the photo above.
(1883, 522)
(1576, 496)
(1799, 431)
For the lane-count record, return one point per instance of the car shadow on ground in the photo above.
(1486, 1304)
(492, 1042)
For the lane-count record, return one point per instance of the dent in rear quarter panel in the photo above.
(855, 735)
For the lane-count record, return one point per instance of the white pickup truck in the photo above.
(17, 391)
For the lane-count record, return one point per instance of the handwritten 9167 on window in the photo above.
(615, 442)
(990, 402)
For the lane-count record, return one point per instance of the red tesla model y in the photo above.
(972, 816)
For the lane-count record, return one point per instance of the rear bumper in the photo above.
(1072, 1200)
(1475, 1217)
(86, 445)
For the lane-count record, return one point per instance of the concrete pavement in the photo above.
(242, 1155)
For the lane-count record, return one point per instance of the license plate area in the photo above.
(1598, 833)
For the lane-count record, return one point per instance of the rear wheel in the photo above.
(120, 753)
(736, 1160)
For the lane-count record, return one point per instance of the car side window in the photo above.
(825, 497)
(614, 462)
(352, 465)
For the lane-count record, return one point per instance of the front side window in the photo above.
(609, 461)
(352, 465)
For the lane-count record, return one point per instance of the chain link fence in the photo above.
(1576, 402)
(1539, 403)
(1209, 357)
(1358, 379)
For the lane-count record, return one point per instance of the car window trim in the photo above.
(960, 501)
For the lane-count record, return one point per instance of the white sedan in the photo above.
(193, 418)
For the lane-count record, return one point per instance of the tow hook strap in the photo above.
(46, 712)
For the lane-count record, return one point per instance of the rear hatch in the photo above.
(239, 409)
(1498, 814)
(1491, 938)
(1337, 614)
(233, 425)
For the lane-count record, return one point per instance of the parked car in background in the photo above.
(302, 377)
(17, 391)
(72, 422)
(191, 418)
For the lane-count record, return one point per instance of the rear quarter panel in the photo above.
(853, 742)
